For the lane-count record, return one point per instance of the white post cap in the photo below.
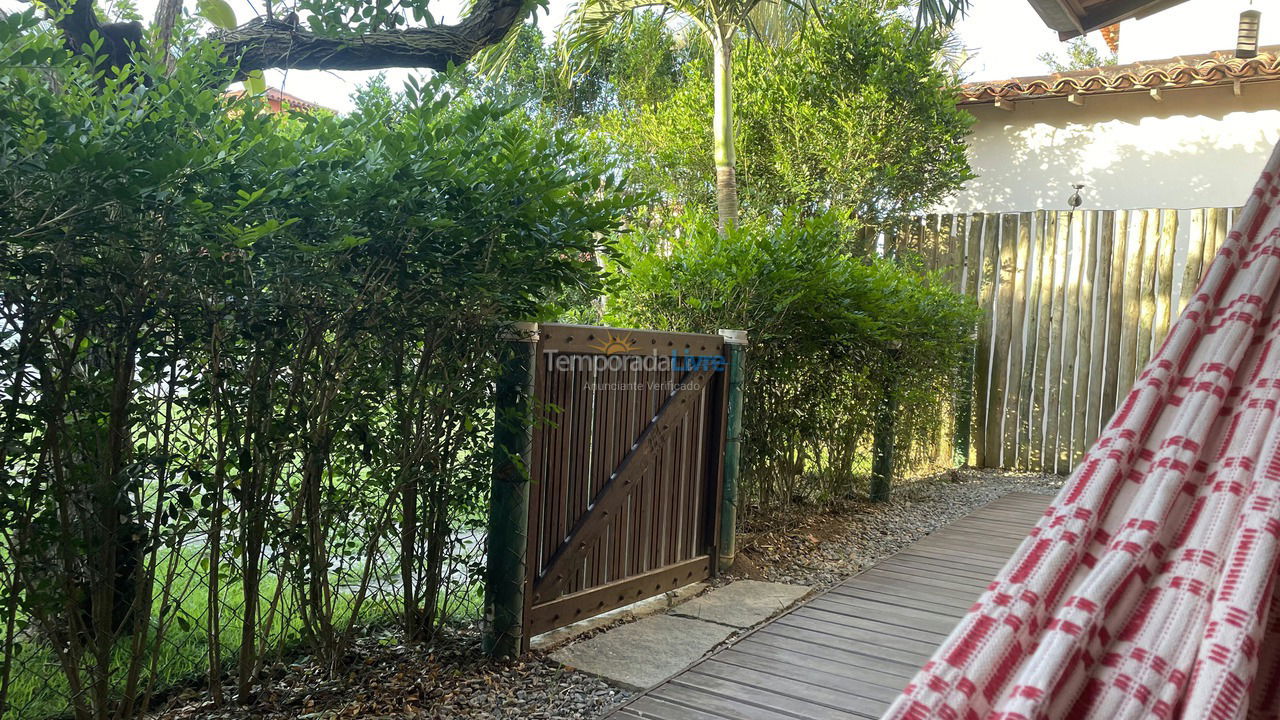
(734, 337)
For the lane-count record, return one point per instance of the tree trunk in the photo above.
(726, 179)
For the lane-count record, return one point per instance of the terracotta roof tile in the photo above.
(281, 96)
(1189, 71)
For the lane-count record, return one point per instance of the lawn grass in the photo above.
(39, 689)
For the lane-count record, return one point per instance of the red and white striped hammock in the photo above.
(1147, 590)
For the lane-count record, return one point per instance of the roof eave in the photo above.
(1199, 84)
(1069, 22)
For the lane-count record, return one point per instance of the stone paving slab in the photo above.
(642, 654)
(742, 604)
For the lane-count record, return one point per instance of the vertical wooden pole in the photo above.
(735, 347)
(951, 234)
(1116, 310)
(970, 228)
(989, 275)
(1019, 300)
(1165, 301)
(883, 442)
(1221, 226)
(1191, 273)
(1147, 314)
(1105, 233)
(1044, 328)
(1081, 426)
(1053, 379)
(1132, 303)
(1027, 405)
(509, 500)
(1002, 337)
(951, 262)
(1070, 343)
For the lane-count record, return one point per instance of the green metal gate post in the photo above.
(882, 446)
(735, 346)
(509, 502)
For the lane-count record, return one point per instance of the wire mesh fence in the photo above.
(185, 505)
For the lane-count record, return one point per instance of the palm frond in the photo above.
(777, 22)
(493, 60)
(589, 22)
(952, 55)
(934, 13)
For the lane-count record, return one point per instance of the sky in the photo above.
(1004, 38)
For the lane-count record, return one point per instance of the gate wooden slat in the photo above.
(579, 496)
(555, 491)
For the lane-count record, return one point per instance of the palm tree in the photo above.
(720, 21)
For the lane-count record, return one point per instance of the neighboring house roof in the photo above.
(1072, 18)
(277, 98)
(1218, 68)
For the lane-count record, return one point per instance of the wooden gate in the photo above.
(626, 460)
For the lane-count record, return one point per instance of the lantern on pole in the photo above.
(1247, 43)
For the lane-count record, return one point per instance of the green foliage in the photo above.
(248, 362)
(851, 114)
(827, 329)
(635, 65)
(1080, 55)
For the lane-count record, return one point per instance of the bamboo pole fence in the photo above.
(1074, 305)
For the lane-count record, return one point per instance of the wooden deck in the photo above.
(848, 652)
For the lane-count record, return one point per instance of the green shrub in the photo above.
(826, 329)
(247, 364)
(854, 112)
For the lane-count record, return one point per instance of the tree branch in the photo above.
(260, 45)
(77, 21)
(166, 18)
(272, 44)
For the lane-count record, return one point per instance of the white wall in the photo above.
(1201, 147)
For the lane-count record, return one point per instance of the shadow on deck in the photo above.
(848, 652)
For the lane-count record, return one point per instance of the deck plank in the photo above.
(845, 654)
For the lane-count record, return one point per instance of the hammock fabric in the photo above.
(1147, 589)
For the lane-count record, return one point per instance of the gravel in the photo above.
(819, 548)
(451, 679)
